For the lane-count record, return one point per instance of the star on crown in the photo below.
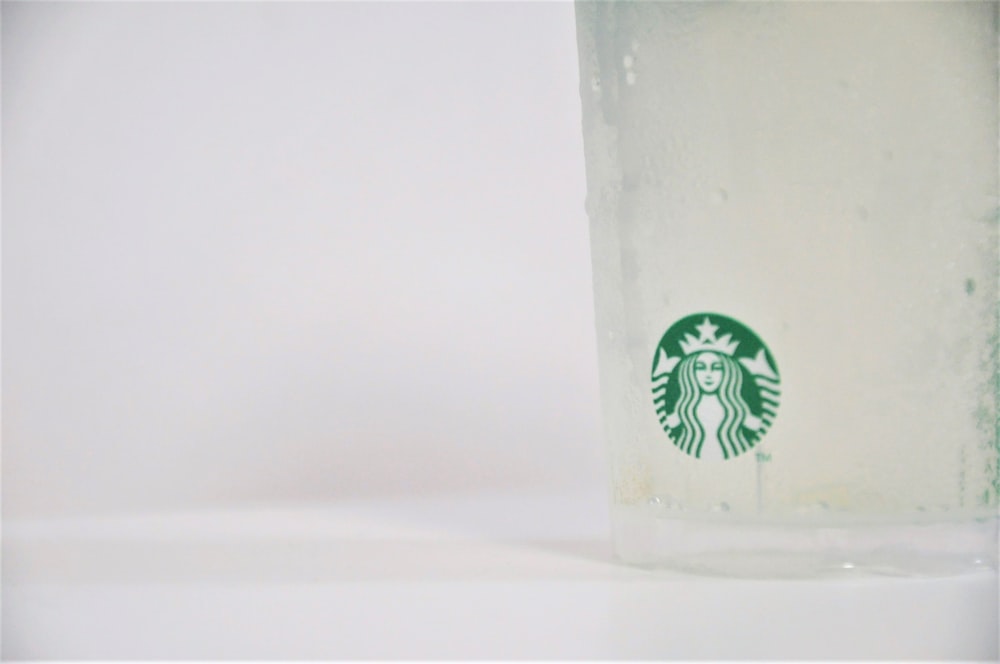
(707, 341)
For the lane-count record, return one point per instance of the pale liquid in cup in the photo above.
(825, 174)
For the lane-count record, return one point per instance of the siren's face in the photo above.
(708, 371)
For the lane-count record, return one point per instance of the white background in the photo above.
(298, 355)
(266, 251)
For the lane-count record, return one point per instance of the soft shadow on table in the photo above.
(595, 551)
(268, 560)
(489, 537)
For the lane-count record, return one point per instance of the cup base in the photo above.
(736, 547)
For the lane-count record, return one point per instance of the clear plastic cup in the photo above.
(794, 214)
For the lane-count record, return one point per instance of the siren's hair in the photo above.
(735, 408)
(692, 433)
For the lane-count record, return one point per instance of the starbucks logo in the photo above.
(715, 386)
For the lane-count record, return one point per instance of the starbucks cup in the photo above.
(793, 213)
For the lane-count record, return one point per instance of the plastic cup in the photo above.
(793, 213)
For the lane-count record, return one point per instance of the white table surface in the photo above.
(498, 576)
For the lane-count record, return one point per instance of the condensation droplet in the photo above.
(628, 60)
(595, 84)
(970, 286)
(720, 196)
(630, 78)
(635, 45)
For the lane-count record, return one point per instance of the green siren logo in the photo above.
(715, 386)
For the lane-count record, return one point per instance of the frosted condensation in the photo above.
(827, 174)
